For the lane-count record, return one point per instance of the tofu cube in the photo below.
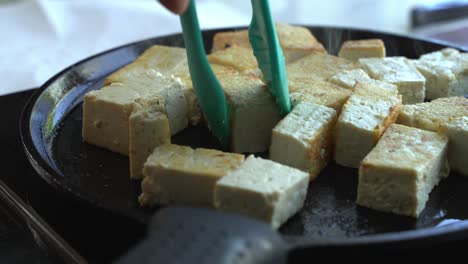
(295, 41)
(318, 92)
(349, 78)
(303, 139)
(237, 57)
(398, 71)
(366, 48)
(319, 66)
(444, 115)
(457, 131)
(106, 111)
(105, 116)
(399, 173)
(253, 112)
(172, 92)
(446, 73)
(164, 59)
(148, 128)
(184, 176)
(168, 61)
(363, 119)
(264, 190)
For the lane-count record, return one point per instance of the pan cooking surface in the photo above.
(51, 131)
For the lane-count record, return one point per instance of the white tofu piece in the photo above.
(348, 79)
(444, 115)
(263, 189)
(171, 89)
(106, 111)
(303, 139)
(457, 131)
(167, 60)
(399, 173)
(148, 128)
(105, 116)
(253, 112)
(363, 119)
(446, 73)
(184, 176)
(398, 71)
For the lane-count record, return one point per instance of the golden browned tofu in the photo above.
(303, 139)
(164, 59)
(319, 66)
(444, 115)
(295, 41)
(237, 57)
(400, 172)
(318, 92)
(356, 49)
(363, 119)
(181, 175)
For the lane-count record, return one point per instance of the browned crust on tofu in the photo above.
(390, 119)
(324, 141)
(362, 44)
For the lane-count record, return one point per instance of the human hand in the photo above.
(175, 6)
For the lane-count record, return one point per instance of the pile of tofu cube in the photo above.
(402, 122)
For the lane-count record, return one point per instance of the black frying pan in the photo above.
(51, 134)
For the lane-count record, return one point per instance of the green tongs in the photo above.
(266, 49)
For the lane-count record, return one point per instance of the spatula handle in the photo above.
(195, 235)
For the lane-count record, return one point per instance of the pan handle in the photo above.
(196, 235)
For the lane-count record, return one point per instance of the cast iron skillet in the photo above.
(51, 134)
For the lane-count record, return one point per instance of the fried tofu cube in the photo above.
(148, 128)
(363, 119)
(262, 189)
(444, 115)
(319, 66)
(164, 59)
(167, 61)
(295, 41)
(318, 92)
(349, 78)
(181, 175)
(253, 112)
(457, 132)
(303, 139)
(105, 117)
(106, 111)
(398, 71)
(237, 57)
(446, 73)
(400, 172)
(366, 48)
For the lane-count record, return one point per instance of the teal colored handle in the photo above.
(207, 88)
(267, 50)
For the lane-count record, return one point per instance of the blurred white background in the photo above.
(41, 37)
